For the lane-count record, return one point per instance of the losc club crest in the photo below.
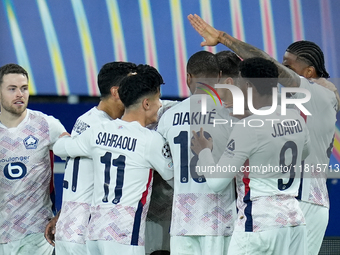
(31, 142)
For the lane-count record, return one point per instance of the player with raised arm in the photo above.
(124, 153)
(301, 58)
(202, 221)
(26, 137)
(74, 216)
(269, 220)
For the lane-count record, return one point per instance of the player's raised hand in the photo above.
(209, 33)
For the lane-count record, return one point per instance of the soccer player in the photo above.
(306, 59)
(124, 153)
(202, 221)
(74, 216)
(228, 62)
(321, 123)
(269, 220)
(26, 137)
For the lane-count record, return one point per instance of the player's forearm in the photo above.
(243, 49)
(286, 76)
(59, 148)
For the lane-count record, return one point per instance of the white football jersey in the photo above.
(321, 125)
(25, 205)
(123, 155)
(78, 186)
(197, 210)
(274, 145)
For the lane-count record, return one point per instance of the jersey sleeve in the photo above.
(159, 155)
(307, 145)
(321, 92)
(162, 127)
(240, 146)
(55, 129)
(78, 146)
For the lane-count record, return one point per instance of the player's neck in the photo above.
(262, 101)
(11, 120)
(111, 109)
(201, 85)
(135, 115)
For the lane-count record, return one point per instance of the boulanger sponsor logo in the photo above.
(31, 142)
(24, 159)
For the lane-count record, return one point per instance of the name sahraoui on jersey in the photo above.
(116, 141)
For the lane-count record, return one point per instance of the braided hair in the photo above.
(311, 54)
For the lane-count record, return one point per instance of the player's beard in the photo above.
(16, 111)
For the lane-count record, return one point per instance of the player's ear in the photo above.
(229, 80)
(189, 78)
(114, 92)
(311, 72)
(145, 103)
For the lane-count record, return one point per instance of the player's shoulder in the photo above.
(94, 115)
(317, 90)
(179, 106)
(168, 116)
(39, 114)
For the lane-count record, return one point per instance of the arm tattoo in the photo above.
(287, 77)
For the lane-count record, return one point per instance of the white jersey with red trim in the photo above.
(197, 210)
(78, 186)
(267, 187)
(25, 205)
(321, 125)
(123, 154)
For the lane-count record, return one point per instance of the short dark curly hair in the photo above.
(229, 63)
(144, 81)
(203, 64)
(12, 68)
(262, 73)
(111, 74)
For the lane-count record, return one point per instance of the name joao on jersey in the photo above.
(116, 141)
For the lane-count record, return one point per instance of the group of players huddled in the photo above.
(115, 147)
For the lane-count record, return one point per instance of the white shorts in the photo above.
(68, 248)
(283, 241)
(316, 223)
(112, 248)
(199, 245)
(157, 236)
(31, 244)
